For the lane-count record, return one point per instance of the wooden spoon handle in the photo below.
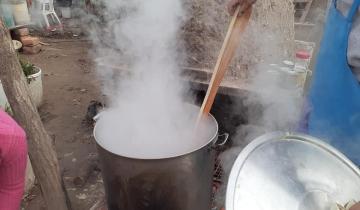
(231, 43)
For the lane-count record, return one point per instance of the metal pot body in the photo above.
(178, 183)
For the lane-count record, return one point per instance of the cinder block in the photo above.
(31, 49)
(29, 40)
(23, 31)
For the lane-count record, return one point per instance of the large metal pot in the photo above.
(183, 182)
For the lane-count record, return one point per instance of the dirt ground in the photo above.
(69, 81)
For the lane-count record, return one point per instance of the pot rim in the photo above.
(35, 75)
(211, 140)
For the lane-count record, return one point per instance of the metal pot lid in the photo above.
(283, 171)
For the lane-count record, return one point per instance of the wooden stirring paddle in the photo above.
(237, 26)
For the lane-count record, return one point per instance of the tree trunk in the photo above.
(268, 38)
(41, 152)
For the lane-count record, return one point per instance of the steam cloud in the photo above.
(272, 106)
(137, 55)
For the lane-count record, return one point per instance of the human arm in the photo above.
(355, 207)
(13, 158)
(29, 2)
(233, 4)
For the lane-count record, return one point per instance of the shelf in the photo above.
(305, 11)
(21, 26)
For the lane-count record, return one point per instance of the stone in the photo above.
(31, 49)
(78, 181)
(29, 40)
(81, 196)
(23, 31)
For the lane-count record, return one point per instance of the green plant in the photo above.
(27, 68)
(8, 109)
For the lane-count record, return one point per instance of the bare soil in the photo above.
(70, 83)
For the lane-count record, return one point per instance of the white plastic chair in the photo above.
(50, 20)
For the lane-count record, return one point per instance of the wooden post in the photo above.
(41, 152)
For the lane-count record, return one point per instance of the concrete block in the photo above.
(31, 49)
(29, 40)
(23, 31)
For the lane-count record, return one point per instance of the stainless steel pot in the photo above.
(177, 183)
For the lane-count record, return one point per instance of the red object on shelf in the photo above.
(302, 54)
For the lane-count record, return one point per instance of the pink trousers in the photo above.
(13, 158)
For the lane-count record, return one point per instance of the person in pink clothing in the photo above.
(13, 158)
